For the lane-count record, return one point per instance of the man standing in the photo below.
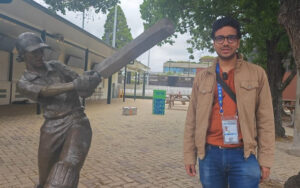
(66, 133)
(230, 117)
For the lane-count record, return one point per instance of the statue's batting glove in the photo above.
(86, 84)
(96, 76)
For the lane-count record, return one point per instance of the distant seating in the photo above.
(177, 97)
(289, 109)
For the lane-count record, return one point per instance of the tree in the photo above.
(264, 41)
(289, 17)
(81, 5)
(206, 59)
(123, 34)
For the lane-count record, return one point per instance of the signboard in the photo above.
(159, 101)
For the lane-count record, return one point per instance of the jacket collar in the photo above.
(212, 69)
(29, 75)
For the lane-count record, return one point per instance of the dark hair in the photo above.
(225, 21)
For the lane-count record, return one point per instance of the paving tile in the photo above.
(142, 150)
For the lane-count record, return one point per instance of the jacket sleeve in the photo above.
(29, 90)
(190, 151)
(265, 123)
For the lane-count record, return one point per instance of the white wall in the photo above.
(4, 74)
(18, 69)
(4, 65)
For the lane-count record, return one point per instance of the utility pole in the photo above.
(113, 45)
(125, 80)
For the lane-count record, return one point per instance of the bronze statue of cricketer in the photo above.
(66, 133)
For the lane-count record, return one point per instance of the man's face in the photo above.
(35, 58)
(226, 42)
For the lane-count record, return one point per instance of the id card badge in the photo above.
(230, 130)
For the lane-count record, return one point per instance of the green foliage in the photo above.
(123, 34)
(81, 5)
(258, 20)
(154, 11)
(169, 73)
(207, 57)
(191, 57)
(264, 41)
(174, 62)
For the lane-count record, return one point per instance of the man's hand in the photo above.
(265, 173)
(190, 169)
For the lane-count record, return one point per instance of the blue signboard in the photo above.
(159, 101)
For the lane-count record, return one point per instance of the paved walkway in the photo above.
(144, 150)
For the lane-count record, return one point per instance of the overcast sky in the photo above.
(94, 23)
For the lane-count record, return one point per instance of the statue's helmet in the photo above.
(28, 42)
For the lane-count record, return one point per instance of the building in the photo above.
(170, 80)
(186, 67)
(136, 76)
(136, 69)
(71, 45)
(179, 73)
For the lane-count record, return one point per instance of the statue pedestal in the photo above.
(129, 111)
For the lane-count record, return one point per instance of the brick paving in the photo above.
(143, 150)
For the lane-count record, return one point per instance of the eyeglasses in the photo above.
(230, 39)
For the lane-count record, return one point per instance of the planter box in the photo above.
(129, 111)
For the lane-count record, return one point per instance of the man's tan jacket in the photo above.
(255, 112)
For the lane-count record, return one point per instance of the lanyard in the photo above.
(220, 92)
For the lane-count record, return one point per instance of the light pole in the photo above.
(113, 45)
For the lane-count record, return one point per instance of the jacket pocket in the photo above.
(205, 89)
(204, 95)
(249, 84)
(248, 92)
(247, 99)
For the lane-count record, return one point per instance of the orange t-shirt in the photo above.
(215, 132)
